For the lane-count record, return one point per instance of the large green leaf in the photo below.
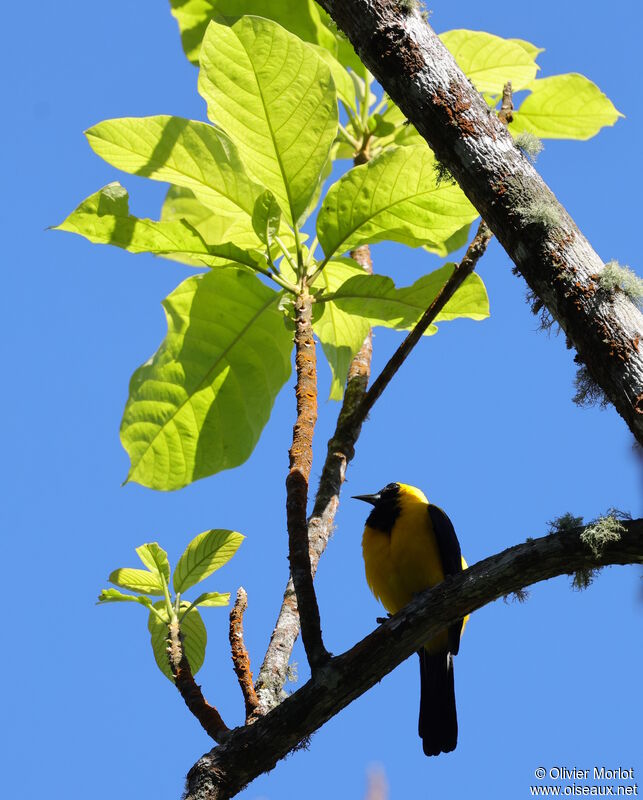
(104, 218)
(137, 580)
(198, 406)
(343, 83)
(396, 197)
(302, 17)
(194, 633)
(275, 98)
(341, 334)
(490, 61)
(155, 559)
(206, 553)
(376, 298)
(532, 49)
(453, 243)
(191, 154)
(564, 107)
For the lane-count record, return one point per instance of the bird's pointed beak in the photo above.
(367, 498)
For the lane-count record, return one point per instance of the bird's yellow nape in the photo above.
(412, 493)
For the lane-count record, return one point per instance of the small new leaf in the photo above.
(266, 217)
(137, 580)
(155, 559)
(114, 596)
(206, 553)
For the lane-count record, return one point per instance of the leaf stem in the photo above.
(349, 139)
(289, 287)
(287, 254)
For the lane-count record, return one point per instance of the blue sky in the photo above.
(480, 418)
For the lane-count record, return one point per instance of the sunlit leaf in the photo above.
(275, 98)
(137, 580)
(564, 107)
(266, 217)
(376, 298)
(213, 599)
(104, 218)
(490, 61)
(191, 154)
(195, 638)
(155, 559)
(302, 17)
(395, 197)
(206, 553)
(532, 49)
(343, 83)
(114, 596)
(453, 243)
(198, 406)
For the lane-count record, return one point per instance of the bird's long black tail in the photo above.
(438, 725)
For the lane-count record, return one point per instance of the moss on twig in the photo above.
(529, 145)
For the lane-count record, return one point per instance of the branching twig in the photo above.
(255, 749)
(301, 459)
(240, 658)
(190, 691)
(462, 270)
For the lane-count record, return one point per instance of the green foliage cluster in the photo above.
(242, 189)
(205, 554)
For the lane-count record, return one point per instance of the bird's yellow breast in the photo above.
(403, 562)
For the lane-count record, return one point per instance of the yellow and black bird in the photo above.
(408, 546)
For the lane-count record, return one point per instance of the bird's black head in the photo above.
(385, 495)
(386, 506)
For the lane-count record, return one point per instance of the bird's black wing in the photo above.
(451, 557)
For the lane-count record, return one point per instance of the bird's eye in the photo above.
(390, 489)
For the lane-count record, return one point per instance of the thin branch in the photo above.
(461, 272)
(240, 657)
(255, 749)
(340, 451)
(207, 715)
(301, 459)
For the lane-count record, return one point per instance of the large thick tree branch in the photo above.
(556, 260)
(254, 749)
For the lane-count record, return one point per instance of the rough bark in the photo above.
(240, 657)
(551, 253)
(190, 691)
(254, 749)
(301, 460)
